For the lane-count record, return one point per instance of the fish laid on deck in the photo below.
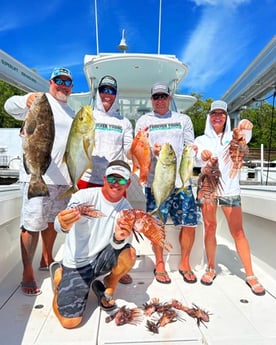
(80, 144)
(236, 151)
(186, 165)
(141, 155)
(144, 223)
(38, 138)
(164, 176)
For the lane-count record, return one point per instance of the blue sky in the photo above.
(217, 39)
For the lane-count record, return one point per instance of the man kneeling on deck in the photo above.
(95, 244)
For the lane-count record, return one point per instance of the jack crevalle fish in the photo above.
(79, 146)
(164, 175)
(38, 138)
(186, 165)
(141, 155)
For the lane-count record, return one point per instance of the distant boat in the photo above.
(9, 167)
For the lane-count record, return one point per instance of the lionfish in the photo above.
(209, 183)
(144, 223)
(236, 151)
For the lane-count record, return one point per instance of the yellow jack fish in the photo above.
(164, 176)
(186, 165)
(79, 147)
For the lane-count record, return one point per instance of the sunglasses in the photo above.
(160, 96)
(220, 113)
(59, 81)
(113, 179)
(107, 91)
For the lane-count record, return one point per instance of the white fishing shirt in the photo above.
(174, 128)
(57, 172)
(218, 145)
(88, 237)
(113, 138)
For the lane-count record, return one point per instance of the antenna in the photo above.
(159, 26)
(96, 24)
(123, 46)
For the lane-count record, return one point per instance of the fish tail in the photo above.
(69, 192)
(184, 189)
(158, 213)
(37, 187)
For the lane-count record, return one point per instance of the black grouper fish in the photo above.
(39, 135)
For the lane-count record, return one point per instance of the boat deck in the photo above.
(237, 316)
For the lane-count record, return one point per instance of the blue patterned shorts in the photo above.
(181, 207)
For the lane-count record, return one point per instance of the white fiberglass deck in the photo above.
(30, 320)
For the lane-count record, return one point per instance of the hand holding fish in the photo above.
(206, 155)
(123, 229)
(245, 124)
(68, 217)
(32, 97)
(156, 149)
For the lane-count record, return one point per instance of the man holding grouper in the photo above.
(168, 191)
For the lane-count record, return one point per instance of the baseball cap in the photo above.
(58, 71)
(108, 81)
(218, 105)
(118, 167)
(160, 87)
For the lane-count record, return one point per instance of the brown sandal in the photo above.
(208, 277)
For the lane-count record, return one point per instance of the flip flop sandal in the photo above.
(189, 274)
(161, 274)
(44, 269)
(52, 268)
(28, 286)
(126, 279)
(99, 291)
(208, 279)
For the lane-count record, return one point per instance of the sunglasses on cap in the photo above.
(160, 96)
(113, 179)
(107, 91)
(59, 81)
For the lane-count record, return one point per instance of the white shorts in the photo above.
(37, 212)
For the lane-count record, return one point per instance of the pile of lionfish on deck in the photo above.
(158, 314)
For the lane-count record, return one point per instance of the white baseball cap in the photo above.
(218, 105)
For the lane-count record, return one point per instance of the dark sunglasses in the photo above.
(107, 90)
(160, 96)
(113, 179)
(220, 113)
(60, 81)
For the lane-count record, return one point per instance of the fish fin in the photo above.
(71, 190)
(135, 233)
(158, 212)
(184, 189)
(37, 187)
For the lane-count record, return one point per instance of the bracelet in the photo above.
(117, 241)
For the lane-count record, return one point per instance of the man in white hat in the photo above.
(93, 247)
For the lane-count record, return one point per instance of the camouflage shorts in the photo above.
(74, 286)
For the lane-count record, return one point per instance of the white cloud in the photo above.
(213, 47)
(225, 3)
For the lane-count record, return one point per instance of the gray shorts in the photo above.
(230, 201)
(74, 286)
(37, 212)
(227, 201)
